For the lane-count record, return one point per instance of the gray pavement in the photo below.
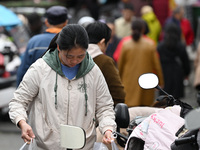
(10, 136)
(190, 92)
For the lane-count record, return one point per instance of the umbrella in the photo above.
(7, 17)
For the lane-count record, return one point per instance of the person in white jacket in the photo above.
(65, 86)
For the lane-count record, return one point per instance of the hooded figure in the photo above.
(152, 21)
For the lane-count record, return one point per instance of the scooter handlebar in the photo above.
(185, 140)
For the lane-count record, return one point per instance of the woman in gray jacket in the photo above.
(65, 86)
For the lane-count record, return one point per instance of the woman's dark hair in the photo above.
(137, 27)
(97, 31)
(72, 35)
(53, 44)
(172, 35)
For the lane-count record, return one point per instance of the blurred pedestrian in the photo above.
(186, 28)
(64, 87)
(56, 19)
(123, 23)
(117, 52)
(85, 8)
(153, 23)
(197, 73)
(187, 34)
(86, 20)
(175, 17)
(114, 40)
(35, 24)
(99, 35)
(174, 60)
(138, 56)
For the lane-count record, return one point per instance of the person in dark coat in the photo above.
(99, 35)
(174, 60)
(114, 40)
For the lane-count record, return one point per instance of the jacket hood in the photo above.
(94, 50)
(52, 59)
(149, 17)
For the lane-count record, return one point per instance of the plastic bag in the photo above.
(114, 146)
(31, 146)
(99, 146)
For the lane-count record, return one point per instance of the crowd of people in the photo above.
(83, 69)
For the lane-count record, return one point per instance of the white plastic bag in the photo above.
(99, 146)
(31, 146)
(114, 146)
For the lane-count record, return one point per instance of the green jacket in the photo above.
(154, 26)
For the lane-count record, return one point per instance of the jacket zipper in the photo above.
(69, 87)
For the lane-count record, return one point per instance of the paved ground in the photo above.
(9, 136)
(190, 92)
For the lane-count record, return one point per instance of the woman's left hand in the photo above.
(107, 137)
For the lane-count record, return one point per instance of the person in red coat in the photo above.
(187, 31)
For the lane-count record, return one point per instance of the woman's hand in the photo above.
(26, 131)
(107, 137)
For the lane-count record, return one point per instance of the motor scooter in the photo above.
(149, 81)
(13, 39)
(9, 61)
(192, 138)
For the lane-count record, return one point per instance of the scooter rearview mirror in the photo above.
(148, 81)
(192, 120)
(122, 115)
(72, 137)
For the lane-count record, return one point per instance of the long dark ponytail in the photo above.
(53, 44)
(137, 28)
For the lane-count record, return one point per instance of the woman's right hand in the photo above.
(26, 131)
